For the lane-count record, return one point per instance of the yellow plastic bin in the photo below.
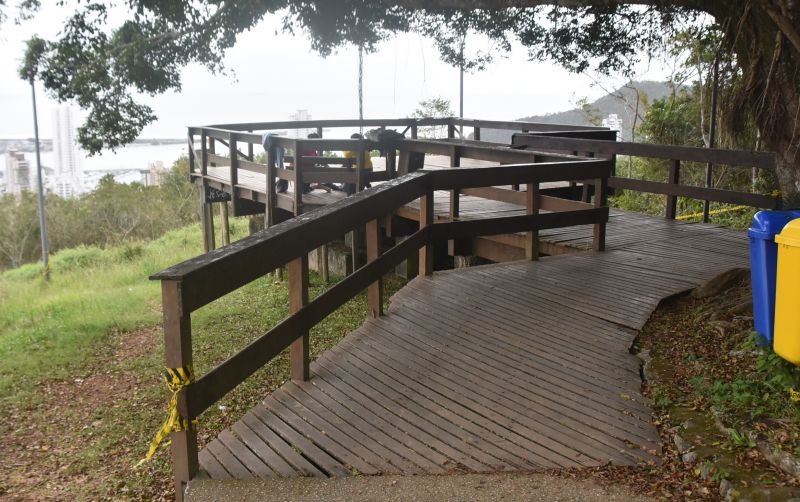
(787, 293)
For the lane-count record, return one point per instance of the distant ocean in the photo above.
(124, 163)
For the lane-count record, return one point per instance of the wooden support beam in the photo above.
(375, 289)
(673, 179)
(324, 265)
(298, 298)
(225, 223)
(298, 178)
(600, 200)
(532, 207)
(426, 219)
(178, 354)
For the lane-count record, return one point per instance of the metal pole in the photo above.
(361, 90)
(461, 92)
(42, 220)
(712, 133)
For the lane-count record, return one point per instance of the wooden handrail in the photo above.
(735, 158)
(190, 285)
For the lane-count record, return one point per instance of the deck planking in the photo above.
(506, 367)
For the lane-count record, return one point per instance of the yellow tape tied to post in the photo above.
(177, 379)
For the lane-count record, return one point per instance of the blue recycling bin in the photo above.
(763, 264)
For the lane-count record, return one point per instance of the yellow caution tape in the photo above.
(794, 395)
(715, 211)
(177, 379)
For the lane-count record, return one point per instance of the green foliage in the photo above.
(48, 330)
(436, 107)
(762, 392)
(105, 65)
(111, 215)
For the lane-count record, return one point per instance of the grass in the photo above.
(80, 363)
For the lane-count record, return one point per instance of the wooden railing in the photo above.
(675, 155)
(192, 284)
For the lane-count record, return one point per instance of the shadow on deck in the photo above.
(515, 366)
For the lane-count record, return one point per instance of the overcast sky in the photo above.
(277, 74)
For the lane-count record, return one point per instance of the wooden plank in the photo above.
(312, 397)
(422, 435)
(761, 160)
(232, 464)
(320, 458)
(533, 414)
(263, 450)
(243, 454)
(320, 438)
(212, 466)
(712, 194)
(286, 451)
(340, 432)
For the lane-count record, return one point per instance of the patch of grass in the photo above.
(81, 394)
(48, 330)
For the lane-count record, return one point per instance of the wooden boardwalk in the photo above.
(514, 366)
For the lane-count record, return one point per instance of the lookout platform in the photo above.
(519, 365)
(514, 366)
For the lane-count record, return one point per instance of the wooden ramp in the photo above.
(515, 366)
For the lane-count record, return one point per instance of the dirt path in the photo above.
(72, 440)
(464, 488)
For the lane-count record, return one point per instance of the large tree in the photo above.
(101, 66)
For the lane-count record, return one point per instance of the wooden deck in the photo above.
(514, 366)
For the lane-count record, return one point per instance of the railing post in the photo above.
(426, 219)
(414, 131)
(192, 159)
(360, 162)
(298, 178)
(375, 290)
(225, 223)
(250, 150)
(203, 153)
(298, 298)
(476, 133)
(234, 169)
(673, 179)
(451, 131)
(178, 353)
(532, 207)
(455, 199)
(600, 200)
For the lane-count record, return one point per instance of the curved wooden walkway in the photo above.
(516, 366)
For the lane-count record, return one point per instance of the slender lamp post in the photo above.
(42, 220)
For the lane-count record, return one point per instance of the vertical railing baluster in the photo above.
(674, 178)
(178, 354)
(298, 298)
(426, 219)
(600, 200)
(532, 202)
(375, 290)
(298, 178)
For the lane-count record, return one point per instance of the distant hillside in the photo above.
(621, 102)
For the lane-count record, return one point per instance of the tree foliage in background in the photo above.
(436, 107)
(101, 65)
(113, 214)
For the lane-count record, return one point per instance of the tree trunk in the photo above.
(764, 37)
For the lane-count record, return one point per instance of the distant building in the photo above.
(67, 156)
(298, 116)
(613, 122)
(18, 173)
(154, 174)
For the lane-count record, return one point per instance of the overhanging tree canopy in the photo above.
(101, 67)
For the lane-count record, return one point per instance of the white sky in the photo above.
(277, 74)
